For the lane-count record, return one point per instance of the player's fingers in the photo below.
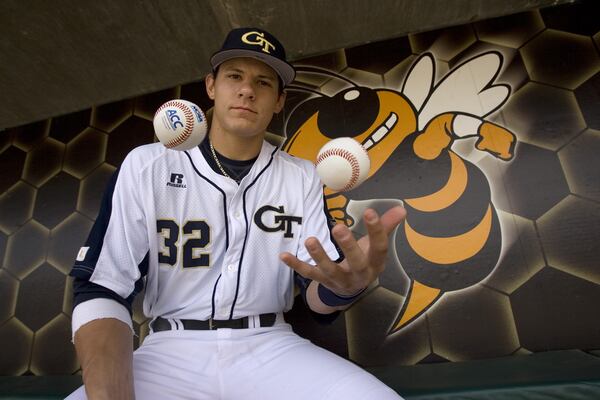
(379, 229)
(378, 239)
(320, 257)
(306, 270)
(392, 218)
(354, 255)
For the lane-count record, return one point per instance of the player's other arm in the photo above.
(334, 286)
(103, 338)
(105, 352)
(329, 286)
(103, 290)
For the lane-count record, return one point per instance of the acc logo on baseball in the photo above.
(280, 222)
(174, 119)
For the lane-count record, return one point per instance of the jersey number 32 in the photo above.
(196, 235)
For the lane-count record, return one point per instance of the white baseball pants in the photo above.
(254, 363)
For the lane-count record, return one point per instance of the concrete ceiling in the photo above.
(62, 56)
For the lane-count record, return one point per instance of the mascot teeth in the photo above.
(381, 132)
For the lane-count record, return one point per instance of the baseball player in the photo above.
(218, 235)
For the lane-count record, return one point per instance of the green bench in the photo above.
(568, 374)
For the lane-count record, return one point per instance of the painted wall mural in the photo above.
(488, 133)
(452, 225)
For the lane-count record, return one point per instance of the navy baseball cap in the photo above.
(255, 43)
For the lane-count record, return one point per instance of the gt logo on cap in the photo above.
(257, 38)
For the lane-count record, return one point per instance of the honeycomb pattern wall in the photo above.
(542, 295)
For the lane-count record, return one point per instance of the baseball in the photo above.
(343, 164)
(180, 124)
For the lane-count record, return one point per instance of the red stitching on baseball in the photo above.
(189, 122)
(189, 119)
(345, 154)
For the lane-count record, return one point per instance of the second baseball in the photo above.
(180, 124)
(343, 164)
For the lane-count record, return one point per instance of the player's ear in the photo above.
(280, 102)
(209, 82)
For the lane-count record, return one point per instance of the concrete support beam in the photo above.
(66, 55)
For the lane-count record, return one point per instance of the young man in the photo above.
(213, 250)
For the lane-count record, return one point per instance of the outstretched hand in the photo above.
(364, 258)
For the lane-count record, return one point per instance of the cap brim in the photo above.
(285, 71)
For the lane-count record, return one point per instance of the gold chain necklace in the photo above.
(214, 154)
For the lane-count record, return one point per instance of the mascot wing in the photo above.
(419, 81)
(468, 89)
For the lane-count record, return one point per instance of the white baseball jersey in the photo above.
(210, 246)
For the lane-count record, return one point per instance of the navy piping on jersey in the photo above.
(224, 198)
(212, 313)
(83, 289)
(237, 287)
